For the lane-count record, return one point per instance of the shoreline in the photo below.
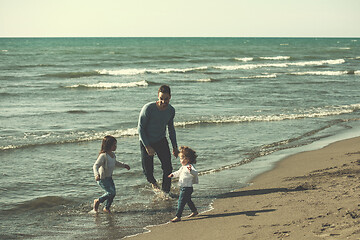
(308, 195)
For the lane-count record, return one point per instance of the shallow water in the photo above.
(241, 103)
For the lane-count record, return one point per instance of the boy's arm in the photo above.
(176, 173)
(192, 170)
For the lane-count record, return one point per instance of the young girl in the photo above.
(187, 177)
(103, 169)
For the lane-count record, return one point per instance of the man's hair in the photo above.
(164, 89)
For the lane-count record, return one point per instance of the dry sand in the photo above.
(310, 195)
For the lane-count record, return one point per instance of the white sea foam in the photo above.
(245, 59)
(73, 137)
(322, 73)
(318, 63)
(204, 80)
(311, 113)
(261, 76)
(281, 65)
(135, 71)
(112, 85)
(276, 58)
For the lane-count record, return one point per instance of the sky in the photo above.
(181, 18)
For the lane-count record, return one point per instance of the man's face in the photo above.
(164, 99)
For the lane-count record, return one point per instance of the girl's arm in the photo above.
(98, 163)
(122, 165)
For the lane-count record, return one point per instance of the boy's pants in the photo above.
(185, 198)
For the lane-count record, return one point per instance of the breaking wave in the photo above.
(326, 73)
(276, 58)
(72, 74)
(312, 113)
(51, 138)
(135, 71)
(281, 65)
(111, 85)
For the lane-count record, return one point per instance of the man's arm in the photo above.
(172, 136)
(143, 120)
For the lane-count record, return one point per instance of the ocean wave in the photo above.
(312, 113)
(245, 59)
(71, 137)
(135, 71)
(85, 136)
(323, 73)
(111, 85)
(77, 112)
(41, 203)
(72, 74)
(273, 75)
(204, 80)
(281, 65)
(276, 58)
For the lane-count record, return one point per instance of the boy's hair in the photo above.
(107, 143)
(189, 154)
(165, 89)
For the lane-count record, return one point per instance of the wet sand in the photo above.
(310, 195)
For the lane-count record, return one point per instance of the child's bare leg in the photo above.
(96, 205)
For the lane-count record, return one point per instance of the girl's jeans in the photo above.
(185, 198)
(108, 185)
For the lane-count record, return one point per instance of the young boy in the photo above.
(187, 177)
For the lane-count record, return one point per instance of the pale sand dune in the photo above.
(310, 195)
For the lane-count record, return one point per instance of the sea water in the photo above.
(241, 103)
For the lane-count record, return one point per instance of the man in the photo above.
(153, 119)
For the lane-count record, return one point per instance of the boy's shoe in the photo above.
(175, 219)
(193, 214)
(96, 205)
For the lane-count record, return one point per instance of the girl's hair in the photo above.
(188, 153)
(107, 143)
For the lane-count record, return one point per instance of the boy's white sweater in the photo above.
(187, 178)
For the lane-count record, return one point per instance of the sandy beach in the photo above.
(310, 195)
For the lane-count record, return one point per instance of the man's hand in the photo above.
(176, 152)
(150, 150)
(127, 167)
(97, 178)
